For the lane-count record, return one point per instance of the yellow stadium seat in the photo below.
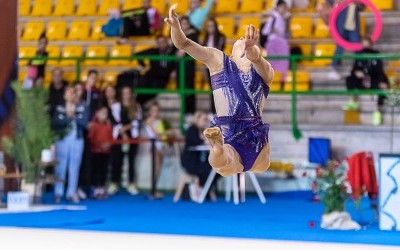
(64, 8)
(183, 6)
(301, 27)
(53, 51)
(363, 26)
(118, 51)
(24, 7)
(110, 77)
(299, 87)
(29, 51)
(56, 30)
(244, 21)
(79, 30)
(324, 49)
(228, 49)
(21, 75)
(226, 26)
(47, 79)
(269, 4)
(70, 76)
(42, 8)
(97, 34)
(383, 4)
(160, 5)
(302, 81)
(87, 8)
(249, 6)
(166, 30)
(32, 31)
(106, 5)
(276, 84)
(141, 47)
(321, 29)
(96, 51)
(132, 4)
(71, 51)
(226, 6)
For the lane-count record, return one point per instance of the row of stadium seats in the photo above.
(39, 8)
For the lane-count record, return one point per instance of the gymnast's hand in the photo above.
(172, 18)
(251, 38)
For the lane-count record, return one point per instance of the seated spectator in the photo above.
(196, 162)
(159, 72)
(198, 14)
(69, 122)
(56, 90)
(100, 139)
(367, 74)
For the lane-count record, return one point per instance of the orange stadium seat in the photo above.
(227, 26)
(54, 51)
(56, 30)
(226, 6)
(87, 8)
(110, 77)
(42, 8)
(96, 51)
(244, 21)
(321, 29)
(106, 5)
(251, 6)
(302, 81)
(183, 6)
(64, 8)
(118, 51)
(32, 31)
(324, 49)
(71, 51)
(28, 51)
(79, 30)
(301, 27)
(24, 7)
(97, 34)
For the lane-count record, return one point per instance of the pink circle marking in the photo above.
(339, 39)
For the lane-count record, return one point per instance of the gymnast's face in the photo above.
(238, 48)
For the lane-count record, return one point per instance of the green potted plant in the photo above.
(32, 131)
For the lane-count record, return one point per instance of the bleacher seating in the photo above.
(226, 6)
(64, 8)
(24, 7)
(56, 30)
(244, 21)
(79, 30)
(118, 51)
(42, 8)
(96, 51)
(71, 51)
(301, 27)
(251, 6)
(54, 51)
(28, 51)
(302, 81)
(87, 8)
(32, 31)
(106, 5)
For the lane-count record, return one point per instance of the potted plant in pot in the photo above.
(32, 133)
(334, 190)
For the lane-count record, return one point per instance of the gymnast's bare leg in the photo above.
(246, 56)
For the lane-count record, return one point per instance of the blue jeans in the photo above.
(69, 156)
(351, 36)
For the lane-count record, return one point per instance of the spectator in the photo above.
(198, 14)
(190, 67)
(69, 122)
(274, 33)
(300, 4)
(37, 66)
(196, 162)
(110, 100)
(100, 139)
(368, 74)
(159, 72)
(57, 88)
(153, 16)
(215, 39)
(79, 91)
(92, 96)
(348, 26)
(127, 116)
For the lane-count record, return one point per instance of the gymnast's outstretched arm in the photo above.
(253, 53)
(212, 57)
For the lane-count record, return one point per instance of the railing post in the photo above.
(181, 79)
(296, 132)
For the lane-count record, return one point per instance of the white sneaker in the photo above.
(112, 189)
(334, 75)
(132, 189)
(193, 192)
(81, 194)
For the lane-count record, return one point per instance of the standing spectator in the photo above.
(215, 39)
(159, 72)
(56, 90)
(100, 139)
(92, 96)
(127, 116)
(198, 14)
(368, 74)
(153, 16)
(274, 33)
(37, 66)
(69, 122)
(79, 91)
(190, 67)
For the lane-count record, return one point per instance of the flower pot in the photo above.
(338, 221)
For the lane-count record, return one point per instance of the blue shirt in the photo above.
(199, 15)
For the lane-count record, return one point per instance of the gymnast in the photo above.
(239, 138)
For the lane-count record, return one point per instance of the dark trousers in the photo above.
(353, 82)
(100, 163)
(85, 169)
(118, 160)
(149, 81)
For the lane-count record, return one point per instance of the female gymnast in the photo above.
(239, 138)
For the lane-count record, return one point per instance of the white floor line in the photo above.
(35, 239)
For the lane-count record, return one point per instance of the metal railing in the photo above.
(182, 90)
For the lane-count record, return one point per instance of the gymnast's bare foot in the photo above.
(214, 137)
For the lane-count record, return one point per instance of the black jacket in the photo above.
(158, 68)
(62, 124)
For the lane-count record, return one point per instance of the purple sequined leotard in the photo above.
(242, 128)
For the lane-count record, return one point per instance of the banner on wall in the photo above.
(389, 193)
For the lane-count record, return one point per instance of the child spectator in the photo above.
(100, 138)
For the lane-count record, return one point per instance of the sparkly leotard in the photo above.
(242, 128)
